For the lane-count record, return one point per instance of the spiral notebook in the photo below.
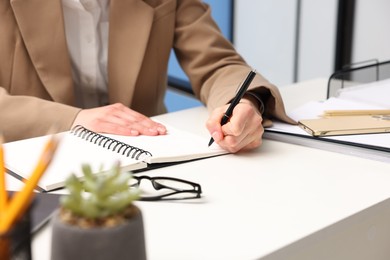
(101, 151)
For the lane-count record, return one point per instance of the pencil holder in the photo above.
(16, 243)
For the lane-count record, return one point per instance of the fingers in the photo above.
(118, 119)
(137, 122)
(213, 123)
(243, 131)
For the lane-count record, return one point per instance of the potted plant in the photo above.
(97, 219)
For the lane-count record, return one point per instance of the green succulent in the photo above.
(98, 196)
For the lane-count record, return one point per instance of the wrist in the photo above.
(256, 101)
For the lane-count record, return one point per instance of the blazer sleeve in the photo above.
(212, 64)
(34, 116)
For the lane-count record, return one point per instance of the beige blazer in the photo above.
(36, 88)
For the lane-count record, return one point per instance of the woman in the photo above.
(103, 64)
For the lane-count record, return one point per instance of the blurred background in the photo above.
(290, 41)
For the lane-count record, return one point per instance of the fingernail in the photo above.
(161, 130)
(153, 130)
(134, 132)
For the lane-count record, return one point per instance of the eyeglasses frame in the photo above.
(197, 189)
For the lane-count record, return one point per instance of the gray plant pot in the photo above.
(126, 241)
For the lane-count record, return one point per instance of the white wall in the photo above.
(317, 42)
(265, 31)
(371, 37)
(265, 34)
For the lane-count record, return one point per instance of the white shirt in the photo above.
(86, 29)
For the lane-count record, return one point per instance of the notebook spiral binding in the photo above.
(109, 143)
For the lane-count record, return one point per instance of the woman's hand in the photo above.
(243, 131)
(118, 119)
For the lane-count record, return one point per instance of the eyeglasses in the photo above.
(168, 188)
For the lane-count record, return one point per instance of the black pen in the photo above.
(236, 99)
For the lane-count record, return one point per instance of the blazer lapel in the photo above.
(130, 25)
(41, 25)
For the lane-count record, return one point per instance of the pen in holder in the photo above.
(15, 244)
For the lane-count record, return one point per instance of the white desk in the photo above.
(281, 201)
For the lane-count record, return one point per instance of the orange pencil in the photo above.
(21, 200)
(4, 243)
(3, 190)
